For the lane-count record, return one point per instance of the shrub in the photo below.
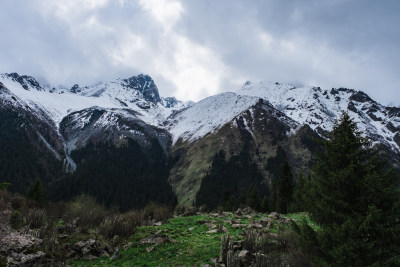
(120, 224)
(18, 201)
(86, 211)
(56, 210)
(16, 220)
(156, 212)
(203, 208)
(3, 261)
(180, 209)
(36, 218)
(190, 211)
(4, 200)
(3, 205)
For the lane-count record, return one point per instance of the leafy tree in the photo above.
(36, 192)
(353, 197)
(284, 189)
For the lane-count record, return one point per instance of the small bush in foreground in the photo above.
(120, 224)
(156, 212)
(36, 218)
(16, 220)
(17, 201)
(86, 211)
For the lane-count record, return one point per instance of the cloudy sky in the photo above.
(194, 49)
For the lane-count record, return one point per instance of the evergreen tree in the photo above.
(274, 195)
(4, 186)
(265, 204)
(228, 201)
(128, 176)
(35, 191)
(253, 200)
(354, 199)
(284, 189)
(239, 176)
(299, 202)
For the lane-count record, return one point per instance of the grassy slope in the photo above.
(186, 175)
(196, 157)
(191, 246)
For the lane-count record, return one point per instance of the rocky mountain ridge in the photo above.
(270, 120)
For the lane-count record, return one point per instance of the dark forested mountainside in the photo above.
(23, 156)
(122, 174)
(230, 181)
(62, 144)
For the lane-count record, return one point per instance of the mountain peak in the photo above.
(144, 84)
(27, 82)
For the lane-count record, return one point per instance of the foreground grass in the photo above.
(190, 244)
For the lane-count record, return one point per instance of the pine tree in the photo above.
(354, 199)
(274, 195)
(299, 202)
(265, 204)
(284, 189)
(4, 185)
(35, 192)
(253, 200)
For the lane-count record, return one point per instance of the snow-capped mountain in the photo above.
(270, 121)
(138, 93)
(320, 108)
(125, 108)
(210, 114)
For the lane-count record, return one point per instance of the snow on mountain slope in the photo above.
(99, 124)
(208, 115)
(320, 108)
(138, 93)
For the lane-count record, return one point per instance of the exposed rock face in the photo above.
(99, 125)
(145, 85)
(27, 82)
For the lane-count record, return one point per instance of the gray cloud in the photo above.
(197, 48)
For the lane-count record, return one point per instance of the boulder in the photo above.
(92, 249)
(238, 212)
(238, 225)
(274, 215)
(25, 259)
(255, 226)
(150, 249)
(248, 211)
(189, 211)
(156, 240)
(116, 255)
(245, 257)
